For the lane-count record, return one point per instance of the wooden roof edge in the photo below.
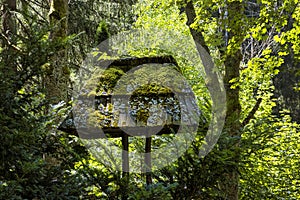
(135, 61)
(115, 132)
(166, 94)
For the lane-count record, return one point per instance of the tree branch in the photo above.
(8, 43)
(252, 113)
(197, 35)
(212, 79)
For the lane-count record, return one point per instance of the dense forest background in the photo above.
(254, 45)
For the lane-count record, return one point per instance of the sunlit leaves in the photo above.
(256, 81)
(273, 153)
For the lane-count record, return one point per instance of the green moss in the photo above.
(104, 81)
(102, 32)
(152, 90)
(100, 119)
(92, 93)
(143, 115)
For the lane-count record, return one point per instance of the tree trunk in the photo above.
(229, 181)
(9, 36)
(8, 54)
(288, 77)
(57, 77)
(232, 128)
(9, 24)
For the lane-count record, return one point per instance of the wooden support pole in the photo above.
(148, 160)
(125, 166)
(125, 158)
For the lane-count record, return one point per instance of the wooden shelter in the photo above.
(153, 108)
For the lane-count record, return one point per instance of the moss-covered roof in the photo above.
(114, 76)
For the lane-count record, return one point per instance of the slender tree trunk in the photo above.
(57, 78)
(287, 79)
(9, 24)
(232, 129)
(8, 54)
(229, 181)
(9, 35)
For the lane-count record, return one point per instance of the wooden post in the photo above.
(148, 160)
(125, 166)
(125, 159)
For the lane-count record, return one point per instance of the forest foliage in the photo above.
(37, 161)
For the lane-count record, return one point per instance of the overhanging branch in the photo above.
(191, 16)
(252, 113)
(9, 43)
